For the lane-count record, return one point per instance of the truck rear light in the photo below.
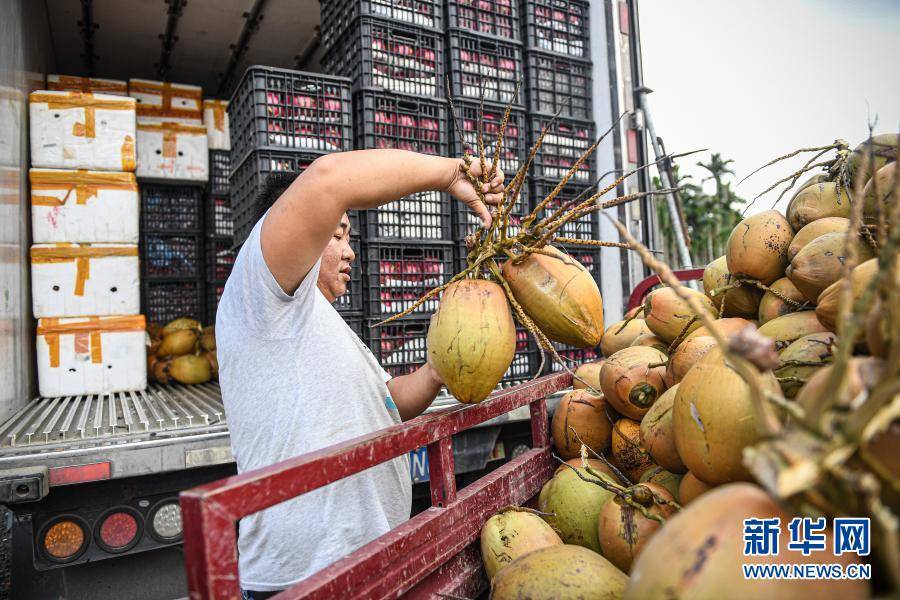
(118, 530)
(165, 521)
(64, 539)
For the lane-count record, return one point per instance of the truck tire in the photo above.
(6, 526)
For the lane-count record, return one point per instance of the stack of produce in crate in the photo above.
(219, 238)
(85, 273)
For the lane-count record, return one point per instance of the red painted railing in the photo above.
(435, 552)
(644, 287)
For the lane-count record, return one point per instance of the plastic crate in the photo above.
(284, 109)
(247, 181)
(357, 323)
(219, 219)
(585, 228)
(490, 64)
(565, 142)
(338, 15)
(219, 258)
(465, 221)
(399, 273)
(162, 301)
(486, 17)
(214, 291)
(399, 346)
(388, 120)
(219, 172)
(515, 144)
(168, 256)
(526, 360)
(352, 299)
(377, 53)
(171, 208)
(423, 216)
(554, 82)
(572, 356)
(559, 26)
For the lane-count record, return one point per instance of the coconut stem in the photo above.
(680, 337)
(622, 477)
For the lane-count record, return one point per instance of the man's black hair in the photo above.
(272, 189)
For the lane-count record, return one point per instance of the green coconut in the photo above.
(573, 506)
(510, 534)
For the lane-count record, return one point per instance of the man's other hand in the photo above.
(461, 189)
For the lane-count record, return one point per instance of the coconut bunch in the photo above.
(183, 351)
(515, 274)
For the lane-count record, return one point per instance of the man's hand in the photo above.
(461, 189)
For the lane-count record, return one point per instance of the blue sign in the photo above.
(418, 465)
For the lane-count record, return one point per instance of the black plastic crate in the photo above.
(465, 221)
(554, 82)
(247, 181)
(559, 26)
(171, 208)
(399, 346)
(399, 273)
(388, 120)
(219, 258)
(571, 356)
(162, 301)
(585, 228)
(478, 63)
(526, 360)
(219, 219)
(214, 291)
(338, 15)
(423, 216)
(352, 300)
(168, 255)
(377, 53)
(285, 109)
(515, 144)
(356, 321)
(219, 172)
(486, 17)
(565, 142)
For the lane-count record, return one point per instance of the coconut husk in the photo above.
(621, 335)
(817, 202)
(815, 229)
(741, 301)
(818, 264)
(658, 435)
(782, 299)
(787, 329)
(757, 247)
(669, 317)
(581, 417)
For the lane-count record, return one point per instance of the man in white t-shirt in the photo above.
(294, 376)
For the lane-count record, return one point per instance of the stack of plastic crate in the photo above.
(219, 238)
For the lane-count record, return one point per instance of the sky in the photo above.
(757, 79)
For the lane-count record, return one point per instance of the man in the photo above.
(294, 376)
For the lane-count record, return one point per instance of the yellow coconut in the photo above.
(614, 340)
(757, 247)
(871, 155)
(587, 375)
(878, 192)
(624, 531)
(632, 379)
(178, 342)
(208, 339)
(690, 488)
(772, 305)
(714, 420)
(628, 453)
(667, 479)
(513, 533)
(161, 371)
(741, 301)
(700, 550)
(802, 359)
(815, 229)
(559, 572)
(727, 327)
(657, 434)
(817, 202)
(586, 414)
(651, 341)
(572, 506)
(179, 324)
(789, 328)
(686, 356)
(213, 359)
(818, 264)
(560, 295)
(190, 369)
(861, 278)
(668, 316)
(472, 338)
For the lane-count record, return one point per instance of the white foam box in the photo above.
(72, 83)
(83, 206)
(215, 117)
(172, 151)
(74, 280)
(159, 102)
(81, 130)
(91, 355)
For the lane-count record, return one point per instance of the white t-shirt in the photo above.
(295, 378)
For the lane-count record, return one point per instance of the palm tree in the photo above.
(720, 203)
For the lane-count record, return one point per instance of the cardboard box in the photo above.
(159, 102)
(91, 355)
(81, 130)
(172, 151)
(215, 117)
(73, 280)
(71, 83)
(83, 206)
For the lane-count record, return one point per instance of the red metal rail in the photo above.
(644, 287)
(434, 552)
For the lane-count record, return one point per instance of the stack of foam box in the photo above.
(558, 76)
(219, 238)
(173, 165)
(85, 273)
(394, 53)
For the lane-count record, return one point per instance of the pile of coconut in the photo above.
(774, 392)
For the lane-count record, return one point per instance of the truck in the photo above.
(112, 466)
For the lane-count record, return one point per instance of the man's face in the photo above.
(334, 274)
